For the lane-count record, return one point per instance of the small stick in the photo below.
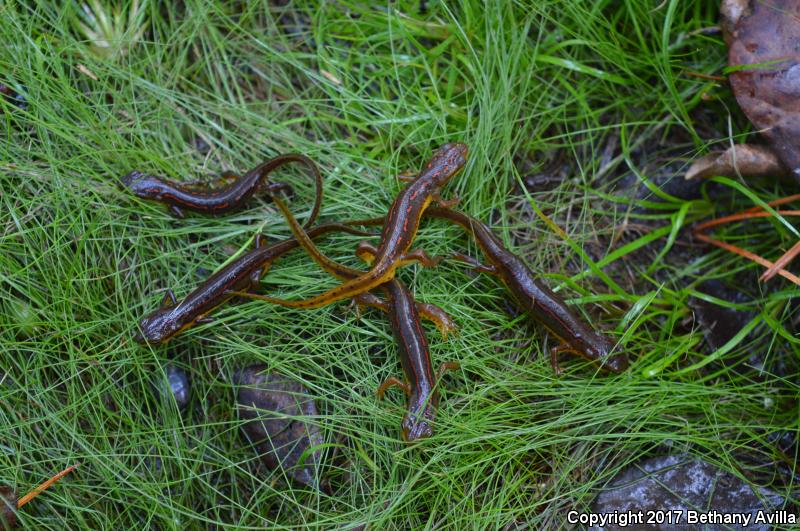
(747, 214)
(782, 262)
(35, 492)
(701, 75)
(747, 254)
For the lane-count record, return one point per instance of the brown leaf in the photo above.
(272, 404)
(747, 160)
(768, 31)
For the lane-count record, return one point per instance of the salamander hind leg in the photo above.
(444, 323)
(477, 265)
(392, 382)
(226, 178)
(555, 351)
(424, 259)
(447, 366)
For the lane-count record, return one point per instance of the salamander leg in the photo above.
(227, 177)
(224, 178)
(169, 299)
(366, 251)
(356, 305)
(391, 382)
(446, 203)
(256, 276)
(177, 212)
(373, 301)
(554, 352)
(259, 241)
(419, 255)
(444, 323)
(477, 265)
(447, 366)
(407, 177)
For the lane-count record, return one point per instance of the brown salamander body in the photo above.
(536, 298)
(398, 232)
(225, 199)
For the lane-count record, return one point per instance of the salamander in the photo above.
(244, 274)
(534, 297)
(404, 318)
(423, 396)
(225, 199)
(400, 228)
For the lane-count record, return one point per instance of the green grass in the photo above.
(369, 93)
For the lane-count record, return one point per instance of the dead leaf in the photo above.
(748, 160)
(273, 405)
(766, 35)
(85, 71)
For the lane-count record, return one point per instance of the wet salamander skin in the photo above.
(404, 319)
(398, 232)
(240, 275)
(541, 303)
(244, 274)
(416, 360)
(226, 199)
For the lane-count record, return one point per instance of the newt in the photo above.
(225, 199)
(415, 357)
(534, 297)
(399, 230)
(404, 318)
(244, 274)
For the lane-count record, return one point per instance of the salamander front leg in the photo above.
(366, 251)
(392, 382)
(369, 299)
(177, 212)
(446, 203)
(169, 299)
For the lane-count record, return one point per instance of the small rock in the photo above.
(271, 403)
(679, 483)
(175, 386)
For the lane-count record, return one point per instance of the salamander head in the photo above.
(446, 162)
(157, 328)
(142, 185)
(604, 352)
(418, 421)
